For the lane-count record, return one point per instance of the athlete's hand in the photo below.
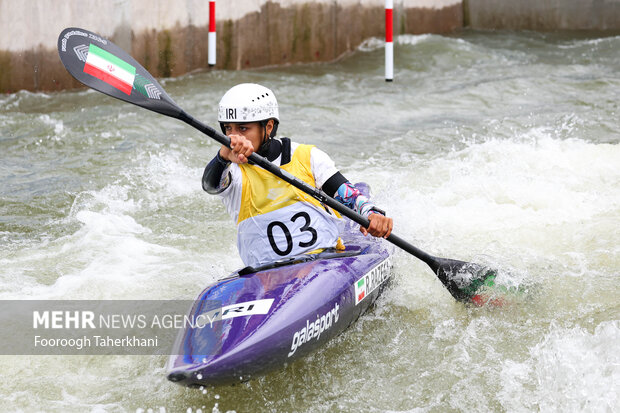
(241, 150)
(380, 226)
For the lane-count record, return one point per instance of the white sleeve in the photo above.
(322, 165)
(231, 196)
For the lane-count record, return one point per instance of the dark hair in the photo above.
(275, 126)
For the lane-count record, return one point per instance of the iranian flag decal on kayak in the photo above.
(360, 291)
(109, 68)
(372, 280)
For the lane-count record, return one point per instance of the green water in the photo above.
(499, 148)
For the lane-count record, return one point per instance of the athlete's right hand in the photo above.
(242, 148)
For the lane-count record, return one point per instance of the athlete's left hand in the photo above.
(380, 226)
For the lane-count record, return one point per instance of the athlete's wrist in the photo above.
(375, 210)
(222, 159)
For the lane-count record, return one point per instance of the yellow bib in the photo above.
(277, 220)
(263, 192)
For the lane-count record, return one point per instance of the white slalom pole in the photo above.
(389, 43)
(211, 35)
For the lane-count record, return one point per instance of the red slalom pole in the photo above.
(389, 43)
(211, 35)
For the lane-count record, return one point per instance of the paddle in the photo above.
(100, 64)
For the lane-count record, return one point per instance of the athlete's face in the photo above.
(253, 131)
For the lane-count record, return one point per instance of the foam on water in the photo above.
(375, 43)
(512, 203)
(506, 184)
(499, 149)
(581, 365)
(113, 255)
(57, 124)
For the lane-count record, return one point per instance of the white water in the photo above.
(494, 148)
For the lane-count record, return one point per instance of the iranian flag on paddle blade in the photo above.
(109, 68)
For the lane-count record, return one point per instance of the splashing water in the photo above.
(495, 148)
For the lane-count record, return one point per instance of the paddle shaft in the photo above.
(310, 190)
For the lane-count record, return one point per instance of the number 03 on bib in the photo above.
(276, 219)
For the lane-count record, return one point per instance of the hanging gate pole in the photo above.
(211, 35)
(389, 44)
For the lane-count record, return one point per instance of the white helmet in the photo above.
(248, 102)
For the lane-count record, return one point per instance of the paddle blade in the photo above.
(462, 279)
(100, 64)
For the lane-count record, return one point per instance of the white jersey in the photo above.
(274, 219)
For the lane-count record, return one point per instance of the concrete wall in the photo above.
(170, 37)
(542, 15)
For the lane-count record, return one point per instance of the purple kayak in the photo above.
(274, 314)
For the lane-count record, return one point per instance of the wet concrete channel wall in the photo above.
(543, 15)
(169, 38)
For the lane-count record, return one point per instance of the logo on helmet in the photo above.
(248, 102)
(231, 113)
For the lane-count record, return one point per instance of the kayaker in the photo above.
(274, 219)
